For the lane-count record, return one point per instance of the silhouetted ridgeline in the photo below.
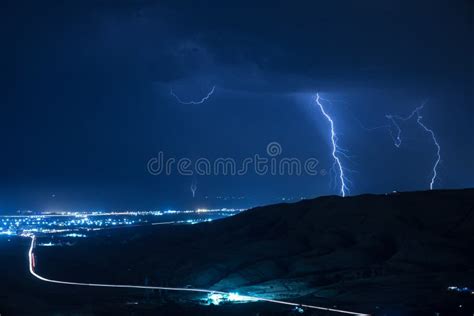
(400, 250)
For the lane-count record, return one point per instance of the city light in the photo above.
(73, 224)
(464, 289)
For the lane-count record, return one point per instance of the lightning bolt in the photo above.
(438, 148)
(204, 99)
(419, 117)
(193, 188)
(336, 150)
(398, 139)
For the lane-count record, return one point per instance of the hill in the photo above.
(399, 251)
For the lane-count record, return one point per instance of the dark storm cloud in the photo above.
(330, 43)
(86, 86)
(265, 46)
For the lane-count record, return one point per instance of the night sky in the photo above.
(85, 97)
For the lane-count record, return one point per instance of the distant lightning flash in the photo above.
(398, 139)
(438, 148)
(419, 117)
(204, 99)
(193, 188)
(335, 148)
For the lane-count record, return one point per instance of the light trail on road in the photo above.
(31, 260)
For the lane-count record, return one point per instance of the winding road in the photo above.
(31, 259)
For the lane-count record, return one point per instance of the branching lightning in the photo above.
(398, 139)
(393, 119)
(204, 99)
(193, 188)
(336, 150)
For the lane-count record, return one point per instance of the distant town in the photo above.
(77, 224)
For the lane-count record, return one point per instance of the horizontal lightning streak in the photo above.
(204, 99)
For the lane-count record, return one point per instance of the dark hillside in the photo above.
(401, 249)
